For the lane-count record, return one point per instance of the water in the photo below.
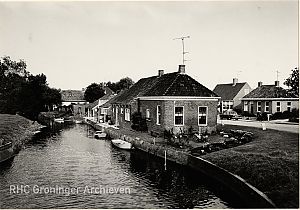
(72, 158)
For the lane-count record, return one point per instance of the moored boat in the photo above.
(78, 121)
(121, 144)
(100, 135)
(59, 120)
(6, 152)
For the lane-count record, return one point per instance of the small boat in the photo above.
(59, 120)
(100, 135)
(68, 120)
(121, 144)
(78, 121)
(6, 152)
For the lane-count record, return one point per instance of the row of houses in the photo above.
(176, 102)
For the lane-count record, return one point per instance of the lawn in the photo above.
(270, 163)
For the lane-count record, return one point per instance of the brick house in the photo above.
(269, 99)
(231, 94)
(73, 100)
(172, 101)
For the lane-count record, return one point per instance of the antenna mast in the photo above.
(183, 52)
(277, 73)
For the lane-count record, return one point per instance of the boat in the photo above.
(121, 144)
(6, 152)
(100, 135)
(68, 120)
(59, 120)
(78, 121)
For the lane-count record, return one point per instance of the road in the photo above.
(294, 128)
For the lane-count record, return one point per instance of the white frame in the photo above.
(206, 114)
(246, 104)
(158, 116)
(179, 115)
(122, 111)
(278, 106)
(147, 113)
(267, 106)
(127, 114)
(258, 106)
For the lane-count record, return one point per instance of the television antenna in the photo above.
(183, 52)
(277, 74)
(238, 74)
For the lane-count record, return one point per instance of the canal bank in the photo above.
(17, 130)
(252, 197)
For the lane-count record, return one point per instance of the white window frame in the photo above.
(127, 114)
(289, 107)
(258, 106)
(278, 106)
(177, 115)
(246, 106)
(267, 106)
(206, 115)
(158, 115)
(147, 113)
(122, 110)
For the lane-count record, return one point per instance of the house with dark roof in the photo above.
(231, 94)
(269, 99)
(69, 97)
(173, 102)
(94, 109)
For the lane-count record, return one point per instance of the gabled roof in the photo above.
(228, 91)
(72, 95)
(269, 91)
(171, 84)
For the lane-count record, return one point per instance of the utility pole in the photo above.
(183, 52)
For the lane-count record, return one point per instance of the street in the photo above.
(294, 128)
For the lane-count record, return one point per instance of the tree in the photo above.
(293, 82)
(124, 83)
(93, 92)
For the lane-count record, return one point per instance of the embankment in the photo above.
(16, 129)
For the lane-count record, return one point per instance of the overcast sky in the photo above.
(77, 43)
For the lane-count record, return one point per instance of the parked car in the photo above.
(230, 115)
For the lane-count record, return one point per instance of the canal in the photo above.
(71, 169)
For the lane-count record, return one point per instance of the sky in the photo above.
(77, 43)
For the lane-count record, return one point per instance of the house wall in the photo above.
(190, 115)
(272, 107)
(237, 102)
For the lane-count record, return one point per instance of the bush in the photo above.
(262, 116)
(247, 114)
(138, 122)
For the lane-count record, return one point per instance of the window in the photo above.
(202, 115)
(289, 106)
(158, 115)
(127, 114)
(259, 106)
(278, 106)
(227, 105)
(147, 113)
(267, 106)
(246, 106)
(121, 110)
(178, 115)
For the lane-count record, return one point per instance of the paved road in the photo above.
(271, 125)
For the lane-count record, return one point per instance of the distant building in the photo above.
(269, 99)
(231, 94)
(72, 97)
(174, 102)
(94, 110)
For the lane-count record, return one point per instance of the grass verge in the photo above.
(270, 163)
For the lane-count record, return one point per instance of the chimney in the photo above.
(235, 80)
(160, 73)
(259, 84)
(181, 69)
(277, 83)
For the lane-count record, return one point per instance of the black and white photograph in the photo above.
(149, 104)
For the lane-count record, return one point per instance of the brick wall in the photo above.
(190, 115)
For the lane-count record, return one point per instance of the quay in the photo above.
(251, 196)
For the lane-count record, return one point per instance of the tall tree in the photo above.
(124, 83)
(293, 82)
(93, 92)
